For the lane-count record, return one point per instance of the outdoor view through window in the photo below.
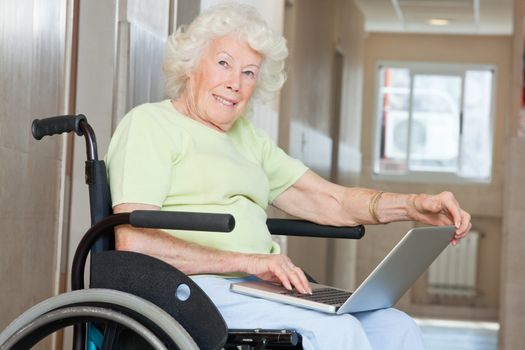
(434, 119)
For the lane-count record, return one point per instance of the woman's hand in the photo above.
(440, 209)
(278, 268)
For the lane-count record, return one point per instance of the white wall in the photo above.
(34, 52)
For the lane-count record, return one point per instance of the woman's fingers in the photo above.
(460, 218)
(299, 280)
(292, 276)
(460, 233)
(443, 203)
(283, 278)
(451, 206)
(280, 267)
(465, 226)
(444, 209)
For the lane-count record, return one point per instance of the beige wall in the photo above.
(350, 40)
(315, 30)
(306, 103)
(512, 310)
(33, 84)
(484, 202)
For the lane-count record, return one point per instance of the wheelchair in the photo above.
(135, 301)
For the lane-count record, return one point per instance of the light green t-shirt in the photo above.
(160, 157)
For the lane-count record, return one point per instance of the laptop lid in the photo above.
(383, 287)
(400, 269)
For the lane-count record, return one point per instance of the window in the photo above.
(434, 122)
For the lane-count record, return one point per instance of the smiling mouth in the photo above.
(226, 102)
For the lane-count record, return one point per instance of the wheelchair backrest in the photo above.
(99, 202)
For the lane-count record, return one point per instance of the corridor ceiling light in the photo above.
(439, 22)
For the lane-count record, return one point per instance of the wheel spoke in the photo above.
(110, 335)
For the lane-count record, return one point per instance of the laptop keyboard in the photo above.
(328, 296)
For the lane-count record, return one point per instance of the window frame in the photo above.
(442, 68)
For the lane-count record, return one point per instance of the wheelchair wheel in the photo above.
(50, 322)
(149, 315)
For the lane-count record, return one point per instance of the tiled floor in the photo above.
(459, 335)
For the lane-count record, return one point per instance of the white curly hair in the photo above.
(185, 46)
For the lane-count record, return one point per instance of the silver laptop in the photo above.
(405, 263)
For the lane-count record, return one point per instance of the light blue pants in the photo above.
(382, 329)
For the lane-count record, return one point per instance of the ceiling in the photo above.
(483, 17)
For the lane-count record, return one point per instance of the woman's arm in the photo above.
(315, 199)
(191, 258)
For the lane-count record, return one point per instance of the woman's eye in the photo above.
(223, 63)
(249, 73)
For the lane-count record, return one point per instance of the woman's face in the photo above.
(219, 89)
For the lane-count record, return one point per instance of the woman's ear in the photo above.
(190, 77)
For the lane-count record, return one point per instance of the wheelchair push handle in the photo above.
(182, 220)
(57, 125)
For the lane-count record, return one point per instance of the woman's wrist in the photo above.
(412, 206)
(394, 207)
(241, 262)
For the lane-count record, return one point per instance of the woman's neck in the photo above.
(182, 105)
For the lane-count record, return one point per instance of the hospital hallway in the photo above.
(411, 97)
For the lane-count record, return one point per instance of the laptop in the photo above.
(403, 265)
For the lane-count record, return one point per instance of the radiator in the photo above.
(453, 273)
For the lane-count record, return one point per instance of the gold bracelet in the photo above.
(372, 206)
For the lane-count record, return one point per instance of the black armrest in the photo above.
(145, 218)
(182, 220)
(287, 227)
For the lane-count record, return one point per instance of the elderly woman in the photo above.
(199, 152)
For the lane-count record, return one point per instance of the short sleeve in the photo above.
(281, 169)
(139, 160)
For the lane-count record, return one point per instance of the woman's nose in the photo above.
(234, 82)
